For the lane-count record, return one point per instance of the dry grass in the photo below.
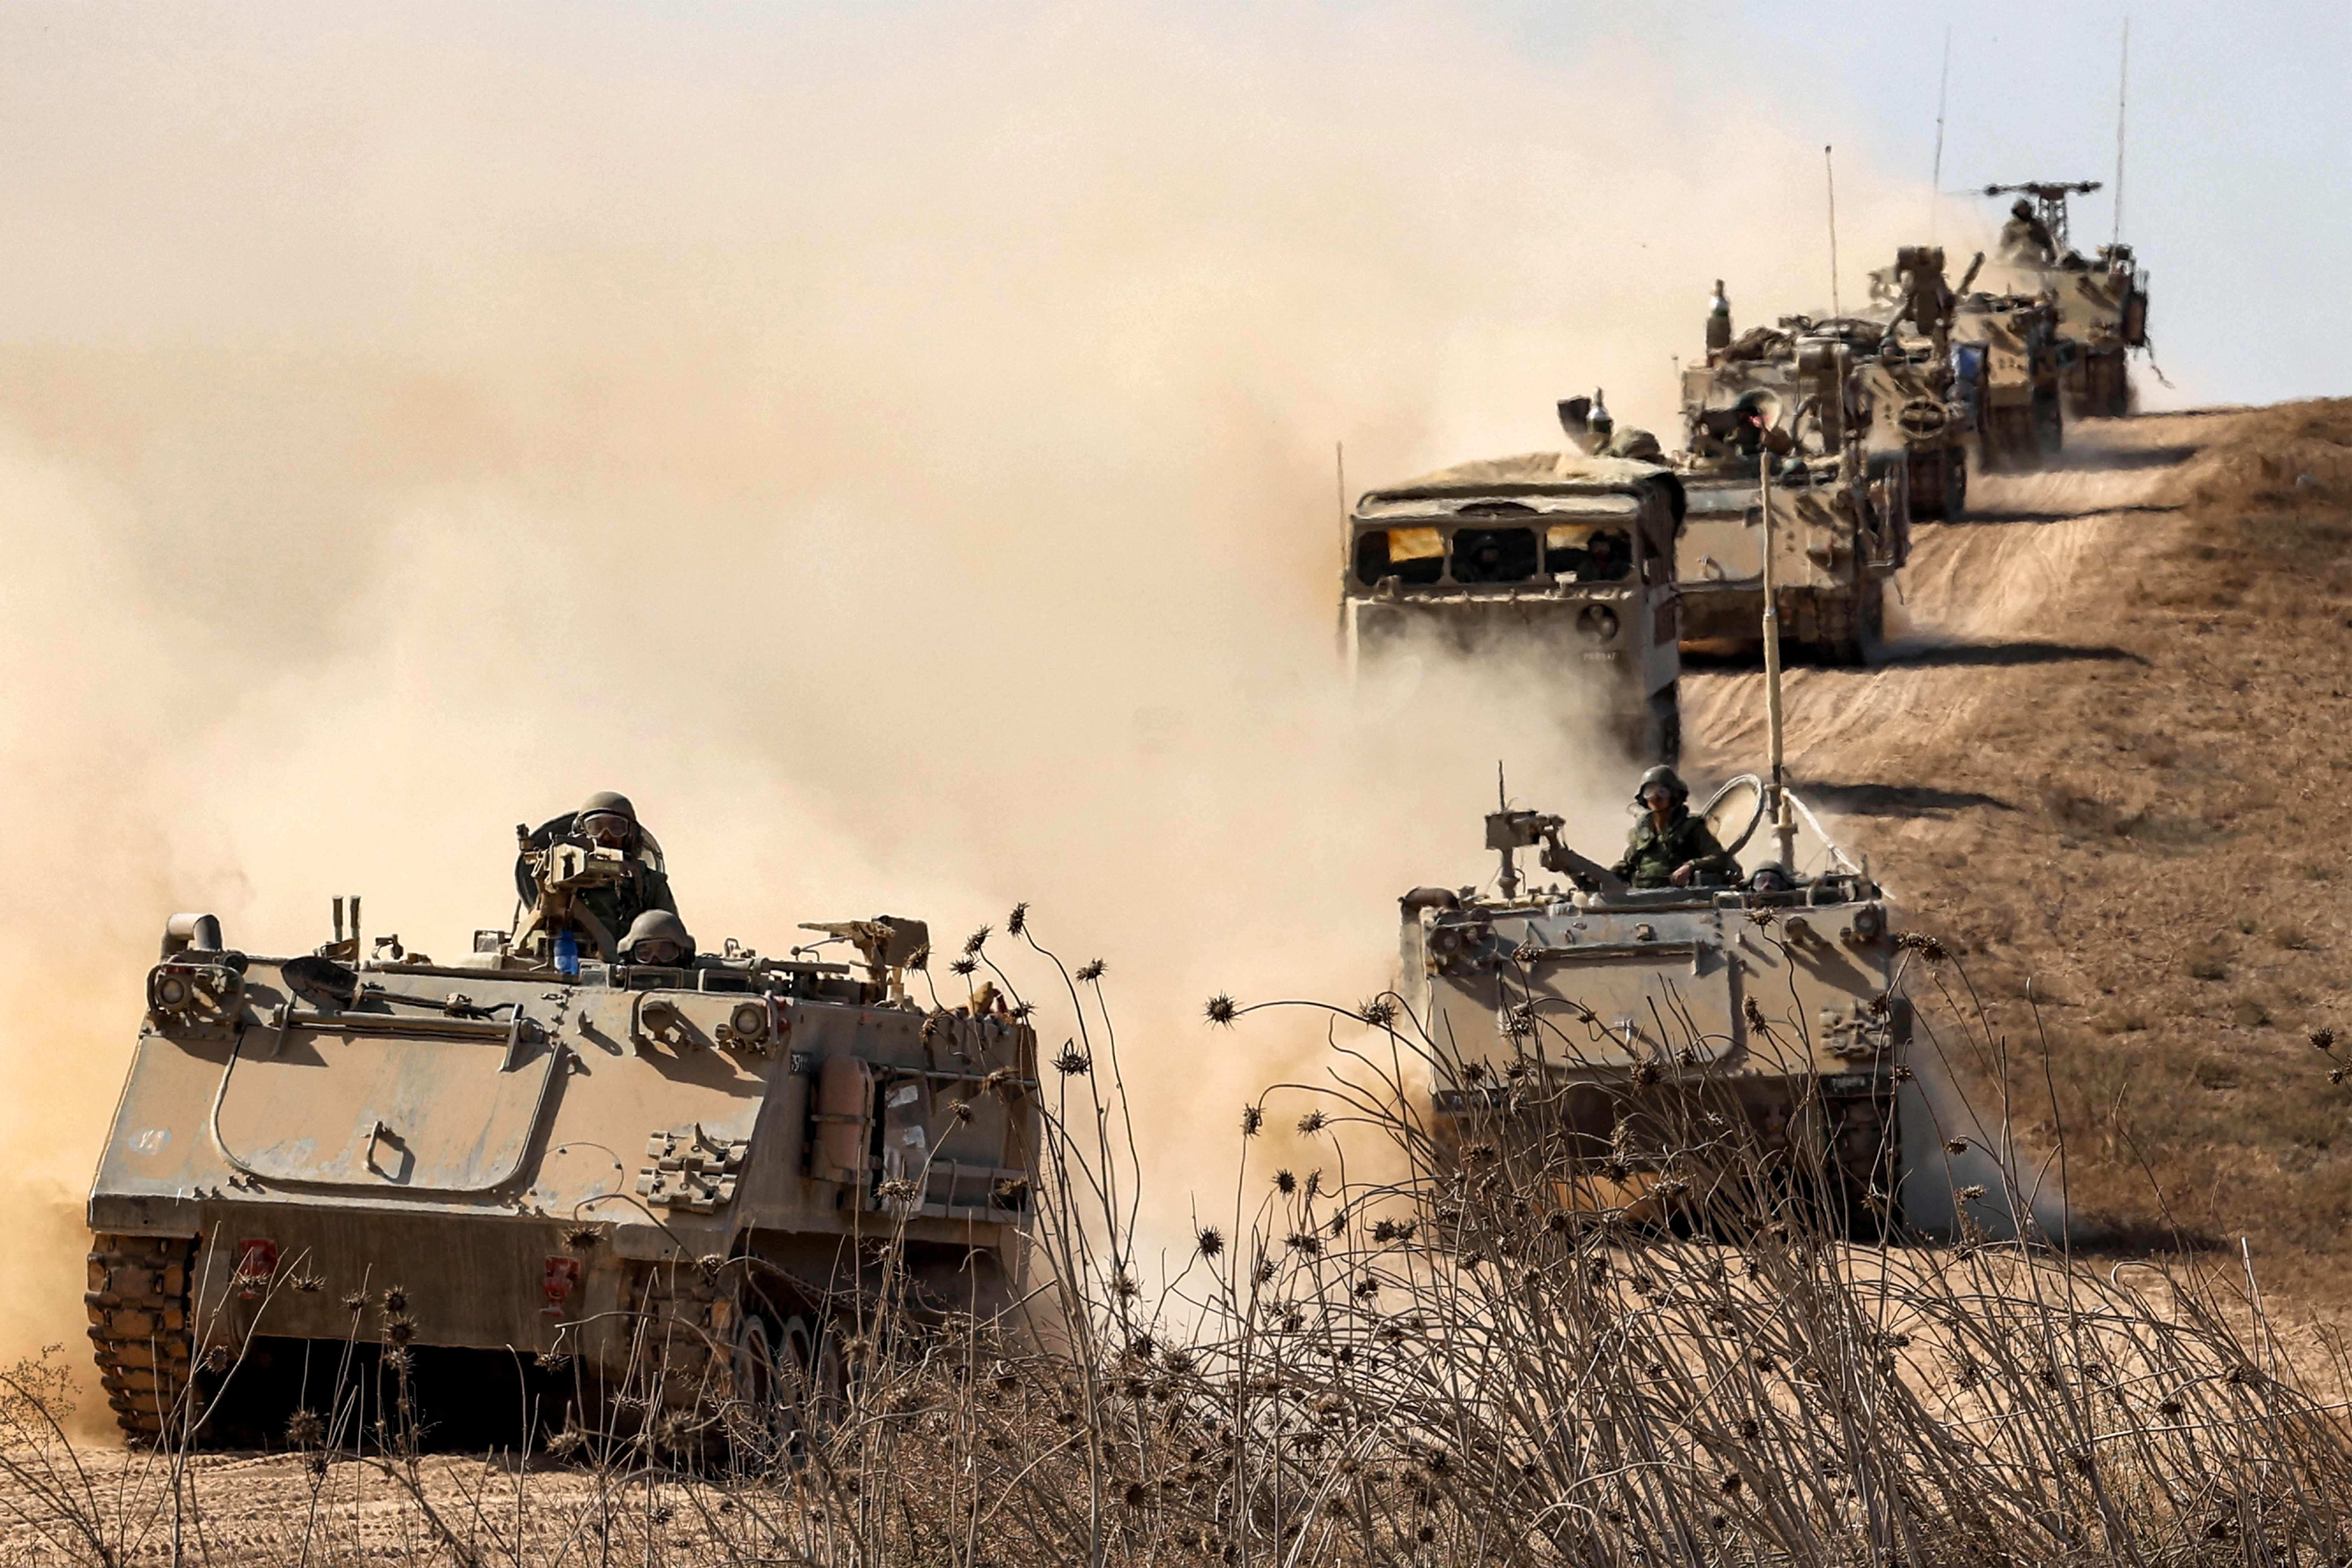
(1405, 1346)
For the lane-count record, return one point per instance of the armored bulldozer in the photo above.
(668, 1177)
(2100, 301)
(1698, 1049)
(1806, 401)
(1560, 564)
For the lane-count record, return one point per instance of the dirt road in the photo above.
(1984, 605)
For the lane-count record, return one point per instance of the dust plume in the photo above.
(898, 453)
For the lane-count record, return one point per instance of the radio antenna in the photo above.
(1831, 167)
(1943, 89)
(2123, 92)
(1347, 542)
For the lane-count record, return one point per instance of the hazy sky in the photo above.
(2238, 193)
(2235, 190)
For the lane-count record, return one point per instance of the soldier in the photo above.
(658, 938)
(2026, 236)
(1634, 443)
(1925, 297)
(1670, 848)
(608, 821)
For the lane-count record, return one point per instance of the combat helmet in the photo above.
(658, 925)
(609, 803)
(1662, 774)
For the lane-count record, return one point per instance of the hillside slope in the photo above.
(2104, 756)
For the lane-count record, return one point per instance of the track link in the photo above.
(138, 1302)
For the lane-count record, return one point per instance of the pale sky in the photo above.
(2236, 186)
(2238, 193)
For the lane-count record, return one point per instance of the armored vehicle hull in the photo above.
(660, 1174)
(1826, 421)
(1557, 568)
(2010, 364)
(2099, 302)
(1833, 559)
(1688, 1042)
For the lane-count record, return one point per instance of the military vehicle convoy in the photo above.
(1560, 564)
(1648, 1027)
(2099, 302)
(1806, 400)
(660, 1171)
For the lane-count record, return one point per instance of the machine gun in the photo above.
(1509, 831)
(552, 875)
(888, 944)
(2049, 198)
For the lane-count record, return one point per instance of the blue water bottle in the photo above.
(567, 952)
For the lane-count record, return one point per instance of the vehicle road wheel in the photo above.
(763, 1419)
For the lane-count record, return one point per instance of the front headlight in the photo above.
(1597, 623)
(749, 1022)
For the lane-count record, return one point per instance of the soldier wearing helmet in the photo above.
(1669, 848)
(658, 938)
(608, 821)
(2025, 237)
(599, 906)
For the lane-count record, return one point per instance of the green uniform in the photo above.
(1652, 856)
(620, 904)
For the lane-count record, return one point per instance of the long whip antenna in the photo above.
(1346, 546)
(1936, 179)
(1831, 167)
(2123, 94)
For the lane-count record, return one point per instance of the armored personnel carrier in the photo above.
(2009, 363)
(1802, 401)
(1913, 378)
(663, 1173)
(1623, 1019)
(2100, 301)
(1559, 564)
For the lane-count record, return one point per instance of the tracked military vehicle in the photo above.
(1690, 1045)
(661, 1175)
(2009, 365)
(2100, 302)
(1914, 379)
(1561, 564)
(1805, 399)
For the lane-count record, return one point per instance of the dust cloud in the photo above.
(898, 455)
